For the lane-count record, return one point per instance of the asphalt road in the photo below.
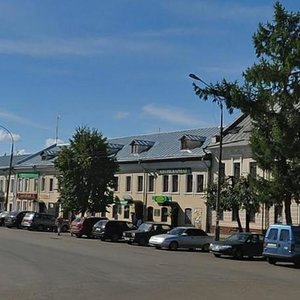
(39, 265)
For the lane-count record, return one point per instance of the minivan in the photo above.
(111, 229)
(282, 244)
(38, 221)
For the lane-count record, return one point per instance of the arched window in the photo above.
(188, 216)
(126, 212)
(115, 212)
(164, 214)
(150, 213)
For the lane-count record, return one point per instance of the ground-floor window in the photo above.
(164, 214)
(150, 213)
(126, 212)
(188, 216)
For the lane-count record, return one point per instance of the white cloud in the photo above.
(172, 115)
(121, 115)
(52, 141)
(18, 119)
(5, 136)
(21, 152)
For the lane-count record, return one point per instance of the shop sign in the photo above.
(27, 196)
(160, 199)
(28, 175)
(174, 171)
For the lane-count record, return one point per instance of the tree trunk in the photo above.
(287, 210)
(239, 221)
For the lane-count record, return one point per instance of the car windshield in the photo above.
(297, 234)
(176, 231)
(145, 227)
(237, 237)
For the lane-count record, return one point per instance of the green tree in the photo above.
(270, 94)
(86, 173)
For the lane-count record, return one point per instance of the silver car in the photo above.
(182, 237)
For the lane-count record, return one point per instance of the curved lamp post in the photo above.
(10, 165)
(220, 104)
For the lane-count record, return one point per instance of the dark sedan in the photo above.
(145, 231)
(239, 245)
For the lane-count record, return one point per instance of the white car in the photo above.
(182, 237)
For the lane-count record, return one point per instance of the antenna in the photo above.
(56, 131)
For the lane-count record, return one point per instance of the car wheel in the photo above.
(64, 229)
(115, 237)
(205, 248)
(78, 235)
(157, 247)
(217, 255)
(173, 246)
(238, 254)
(271, 260)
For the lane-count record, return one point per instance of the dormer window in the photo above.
(189, 141)
(47, 155)
(114, 148)
(139, 146)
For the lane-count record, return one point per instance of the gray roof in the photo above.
(237, 133)
(5, 160)
(166, 145)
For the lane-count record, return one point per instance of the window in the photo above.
(116, 183)
(164, 214)
(165, 183)
(140, 183)
(26, 188)
(24, 205)
(20, 186)
(128, 183)
(278, 214)
(43, 184)
(175, 183)
(234, 215)
(189, 183)
(273, 234)
(1, 185)
(188, 216)
(200, 183)
(284, 235)
(115, 212)
(35, 185)
(253, 169)
(12, 184)
(236, 170)
(151, 183)
(150, 213)
(51, 185)
(126, 212)
(252, 215)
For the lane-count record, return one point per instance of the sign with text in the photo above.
(174, 171)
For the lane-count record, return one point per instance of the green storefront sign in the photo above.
(161, 199)
(28, 175)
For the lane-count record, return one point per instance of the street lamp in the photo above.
(10, 165)
(220, 104)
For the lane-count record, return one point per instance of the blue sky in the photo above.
(120, 66)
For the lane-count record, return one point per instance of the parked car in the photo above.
(282, 243)
(182, 237)
(3, 214)
(14, 219)
(38, 221)
(111, 229)
(145, 231)
(239, 245)
(84, 225)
